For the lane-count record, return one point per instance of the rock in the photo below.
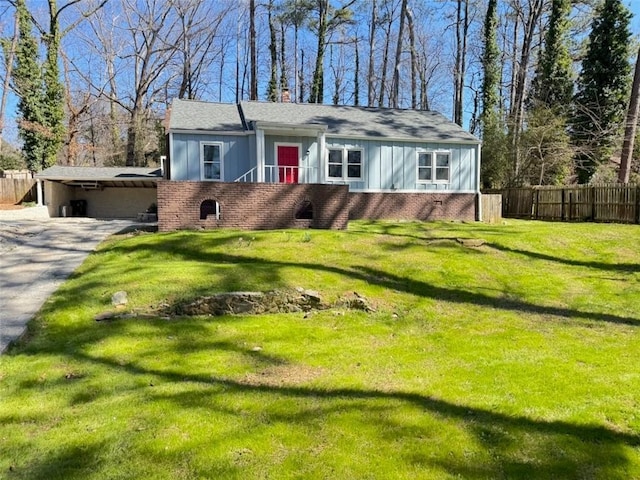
(470, 242)
(101, 317)
(119, 298)
(356, 302)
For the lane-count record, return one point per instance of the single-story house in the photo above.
(274, 165)
(99, 192)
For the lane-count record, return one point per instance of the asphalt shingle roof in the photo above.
(363, 122)
(60, 172)
(196, 115)
(360, 122)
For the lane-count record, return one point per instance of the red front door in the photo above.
(288, 163)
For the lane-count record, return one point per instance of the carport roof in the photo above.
(92, 177)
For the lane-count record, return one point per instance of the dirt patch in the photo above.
(279, 375)
(246, 303)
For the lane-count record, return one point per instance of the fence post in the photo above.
(562, 195)
(570, 206)
(637, 206)
(537, 203)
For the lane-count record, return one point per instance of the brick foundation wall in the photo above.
(252, 206)
(412, 206)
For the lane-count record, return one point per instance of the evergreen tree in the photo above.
(40, 92)
(545, 145)
(602, 88)
(553, 83)
(29, 86)
(494, 164)
(53, 100)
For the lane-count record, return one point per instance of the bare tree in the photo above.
(414, 60)
(395, 86)
(199, 24)
(253, 82)
(631, 125)
(462, 35)
(9, 50)
(388, 18)
(154, 32)
(327, 20)
(371, 91)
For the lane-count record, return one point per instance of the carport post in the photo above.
(39, 191)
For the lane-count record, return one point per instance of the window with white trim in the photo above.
(345, 164)
(211, 159)
(434, 166)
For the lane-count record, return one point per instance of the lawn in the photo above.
(507, 351)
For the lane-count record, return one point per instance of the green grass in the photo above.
(515, 359)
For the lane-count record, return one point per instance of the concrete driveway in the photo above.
(36, 255)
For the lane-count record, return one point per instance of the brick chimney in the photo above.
(286, 96)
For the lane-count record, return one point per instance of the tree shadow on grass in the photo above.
(614, 267)
(520, 447)
(395, 282)
(505, 445)
(67, 462)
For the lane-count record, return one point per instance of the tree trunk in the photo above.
(317, 85)
(9, 55)
(385, 62)
(517, 108)
(395, 90)
(272, 91)
(462, 30)
(371, 90)
(284, 81)
(301, 77)
(253, 88)
(356, 80)
(412, 48)
(630, 128)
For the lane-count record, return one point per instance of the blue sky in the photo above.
(634, 6)
(10, 132)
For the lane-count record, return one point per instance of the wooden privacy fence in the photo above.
(597, 203)
(17, 190)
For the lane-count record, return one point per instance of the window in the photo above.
(433, 167)
(354, 163)
(335, 163)
(211, 158)
(345, 164)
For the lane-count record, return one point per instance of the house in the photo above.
(274, 165)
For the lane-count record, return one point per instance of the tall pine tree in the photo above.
(553, 83)
(602, 88)
(545, 146)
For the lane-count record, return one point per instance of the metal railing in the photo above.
(282, 174)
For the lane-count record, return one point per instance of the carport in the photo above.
(98, 192)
